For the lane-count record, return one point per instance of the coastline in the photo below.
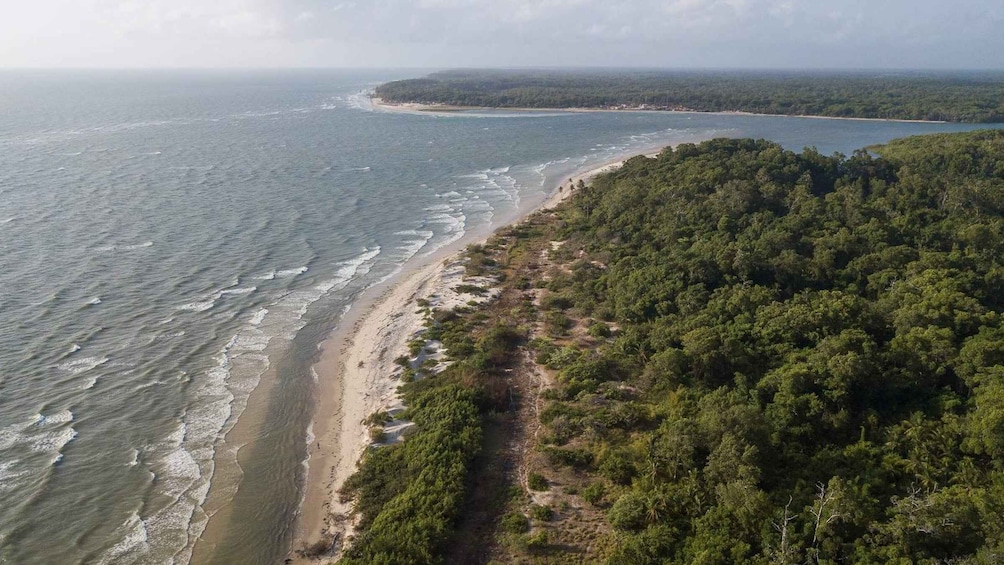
(419, 108)
(356, 371)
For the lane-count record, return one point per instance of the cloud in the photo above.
(851, 33)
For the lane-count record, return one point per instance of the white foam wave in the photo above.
(134, 460)
(290, 272)
(74, 348)
(9, 475)
(62, 417)
(133, 540)
(53, 441)
(94, 301)
(197, 306)
(8, 220)
(258, 316)
(187, 461)
(248, 341)
(77, 366)
(360, 101)
(238, 291)
(266, 277)
(129, 247)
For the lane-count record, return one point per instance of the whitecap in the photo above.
(77, 366)
(8, 475)
(62, 417)
(54, 441)
(94, 301)
(266, 277)
(197, 306)
(258, 316)
(143, 245)
(134, 460)
(290, 272)
(238, 291)
(248, 341)
(134, 539)
(74, 348)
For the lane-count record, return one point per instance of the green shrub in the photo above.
(594, 493)
(537, 482)
(541, 513)
(515, 523)
(537, 540)
(598, 330)
(628, 513)
(557, 323)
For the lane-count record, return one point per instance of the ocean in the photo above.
(176, 245)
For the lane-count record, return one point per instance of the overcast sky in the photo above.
(482, 33)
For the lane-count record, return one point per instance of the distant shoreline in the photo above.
(416, 107)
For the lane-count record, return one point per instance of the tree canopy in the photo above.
(813, 346)
(956, 97)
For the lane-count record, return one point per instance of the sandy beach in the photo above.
(433, 108)
(356, 376)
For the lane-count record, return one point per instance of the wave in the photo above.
(133, 539)
(187, 459)
(360, 101)
(238, 291)
(53, 441)
(130, 247)
(197, 306)
(258, 316)
(143, 245)
(94, 301)
(62, 417)
(77, 366)
(9, 475)
(290, 272)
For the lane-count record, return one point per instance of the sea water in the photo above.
(170, 239)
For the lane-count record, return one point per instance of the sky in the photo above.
(858, 34)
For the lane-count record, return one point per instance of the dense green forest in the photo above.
(956, 97)
(758, 356)
(807, 363)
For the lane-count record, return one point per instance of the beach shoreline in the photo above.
(356, 368)
(419, 108)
